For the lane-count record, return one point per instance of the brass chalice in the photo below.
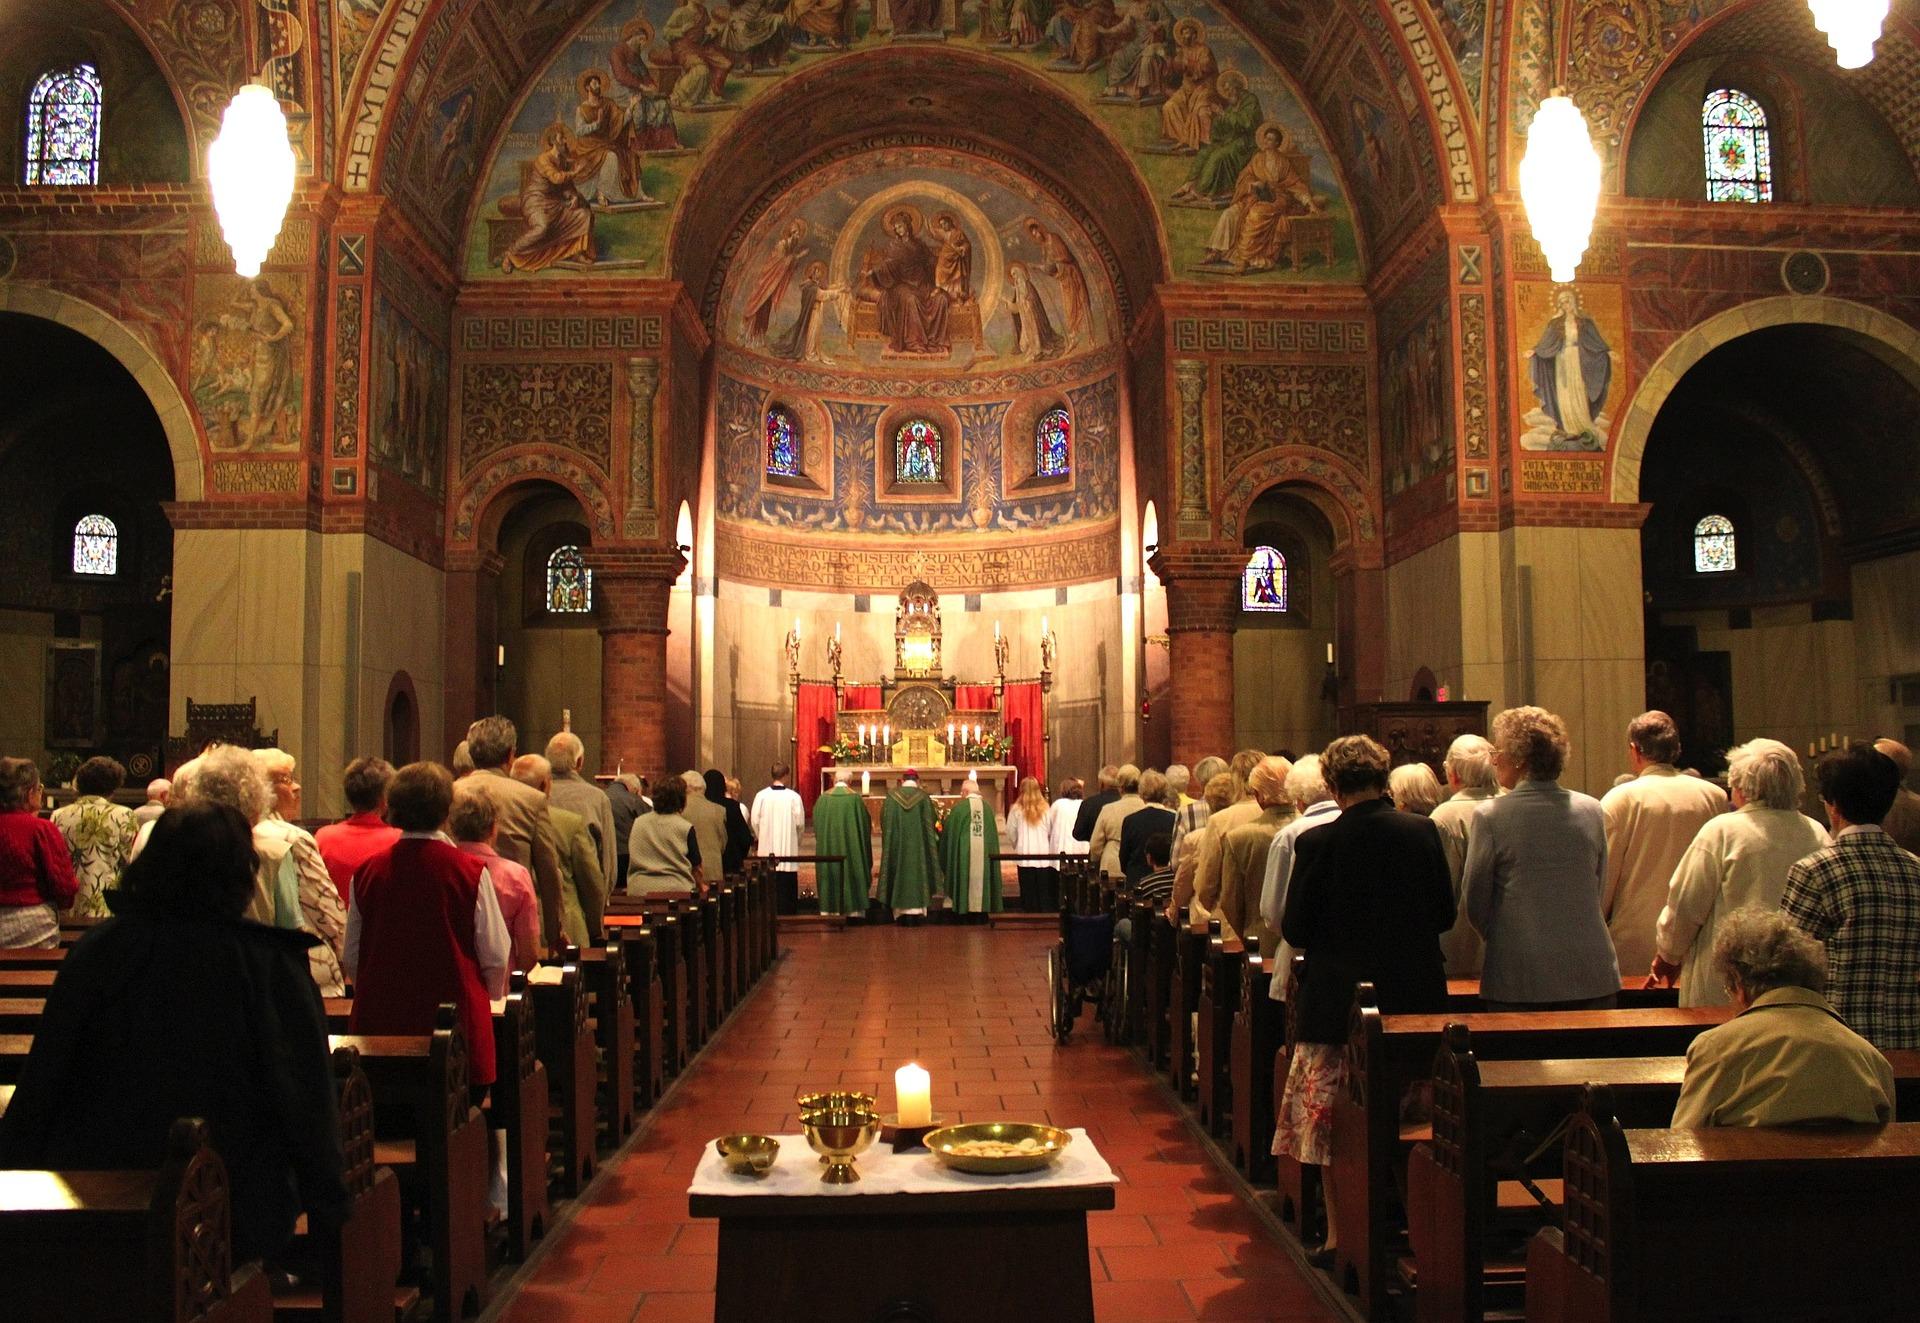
(838, 1100)
(839, 1136)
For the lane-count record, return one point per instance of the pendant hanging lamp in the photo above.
(1560, 183)
(250, 168)
(1851, 28)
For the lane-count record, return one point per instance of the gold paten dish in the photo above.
(748, 1155)
(995, 1148)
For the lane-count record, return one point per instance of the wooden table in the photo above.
(973, 1255)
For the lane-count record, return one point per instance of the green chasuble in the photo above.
(842, 825)
(909, 860)
(968, 844)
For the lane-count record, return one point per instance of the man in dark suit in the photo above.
(1370, 896)
(1090, 806)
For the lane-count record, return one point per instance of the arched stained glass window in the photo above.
(1739, 155)
(63, 127)
(916, 452)
(783, 442)
(1263, 585)
(96, 545)
(569, 582)
(1713, 545)
(1052, 444)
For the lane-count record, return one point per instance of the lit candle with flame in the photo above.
(886, 735)
(866, 782)
(913, 1092)
(996, 631)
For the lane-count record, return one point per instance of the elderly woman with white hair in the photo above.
(227, 774)
(1737, 859)
(1786, 1058)
(1536, 866)
(321, 910)
(1469, 769)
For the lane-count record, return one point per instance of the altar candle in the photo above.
(1043, 626)
(866, 782)
(796, 626)
(977, 728)
(1329, 654)
(996, 631)
(862, 728)
(913, 1091)
(886, 736)
(836, 631)
(950, 735)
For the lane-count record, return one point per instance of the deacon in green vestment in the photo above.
(968, 843)
(842, 825)
(909, 857)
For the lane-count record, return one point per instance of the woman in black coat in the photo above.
(739, 834)
(1369, 898)
(177, 1007)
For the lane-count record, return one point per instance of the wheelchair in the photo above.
(1079, 966)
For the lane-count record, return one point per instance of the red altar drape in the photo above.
(861, 697)
(813, 723)
(973, 697)
(1025, 714)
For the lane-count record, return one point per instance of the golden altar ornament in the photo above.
(839, 1137)
(995, 1148)
(748, 1155)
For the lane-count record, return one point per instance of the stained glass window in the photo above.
(1713, 551)
(569, 582)
(1739, 157)
(63, 127)
(1052, 438)
(96, 545)
(783, 442)
(1263, 585)
(916, 452)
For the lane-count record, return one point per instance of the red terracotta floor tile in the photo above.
(842, 1010)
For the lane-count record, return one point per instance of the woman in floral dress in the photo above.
(99, 834)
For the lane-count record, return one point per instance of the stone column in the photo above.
(473, 589)
(632, 585)
(1203, 600)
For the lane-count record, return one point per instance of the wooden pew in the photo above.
(32, 957)
(604, 970)
(564, 1036)
(667, 1023)
(1132, 1026)
(359, 1263)
(738, 930)
(716, 1000)
(1219, 996)
(519, 1104)
(1386, 1053)
(13, 1056)
(427, 1128)
(1751, 1224)
(643, 986)
(1297, 1182)
(1488, 1117)
(1183, 996)
(1256, 1034)
(27, 984)
(115, 1246)
(1158, 993)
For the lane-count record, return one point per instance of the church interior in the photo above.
(993, 388)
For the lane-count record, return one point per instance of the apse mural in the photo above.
(605, 143)
(916, 258)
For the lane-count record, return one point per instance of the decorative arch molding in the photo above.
(114, 336)
(480, 508)
(1892, 341)
(1351, 514)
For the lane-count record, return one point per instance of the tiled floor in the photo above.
(845, 1008)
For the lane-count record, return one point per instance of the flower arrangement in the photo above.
(990, 748)
(844, 749)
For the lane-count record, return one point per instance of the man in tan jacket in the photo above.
(525, 828)
(1651, 820)
(1205, 853)
(583, 888)
(1243, 856)
(1105, 845)
(575, 793)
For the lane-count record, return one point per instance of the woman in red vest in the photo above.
(424, 926)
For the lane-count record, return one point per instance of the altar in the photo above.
(998, 783)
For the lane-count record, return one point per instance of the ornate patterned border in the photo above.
(1302, 464)
(509, 469)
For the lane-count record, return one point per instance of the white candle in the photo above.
(863, 732)
(866, 782)
(1043, 626)
(836, 630)
(913, 1093)
(500, 655)
(996, 631)
(977, 728)
(949, 732)
(886, 735)
(796, 626)
(1329, 654)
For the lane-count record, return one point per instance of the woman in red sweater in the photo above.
(36, 871)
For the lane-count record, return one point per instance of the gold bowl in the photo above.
(1046, 1146)
(748, 1155)
(836, 1100)
(840, 1136)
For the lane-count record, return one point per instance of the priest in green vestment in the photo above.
(842, 826)
(969, 843)
(909, 856)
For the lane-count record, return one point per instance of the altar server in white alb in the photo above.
(777, 818)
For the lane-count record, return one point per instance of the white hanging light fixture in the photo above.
(1560, 183)
(251, 169)
(1851, 28)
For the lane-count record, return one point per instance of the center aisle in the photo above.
(970, 1004)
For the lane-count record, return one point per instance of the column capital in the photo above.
(1203, 586)
(633, 584)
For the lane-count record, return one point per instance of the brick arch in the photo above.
(1887, 338)
(482, 502)
(1339, 490)
(114, 336)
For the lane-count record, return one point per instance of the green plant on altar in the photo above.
(844, 749)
